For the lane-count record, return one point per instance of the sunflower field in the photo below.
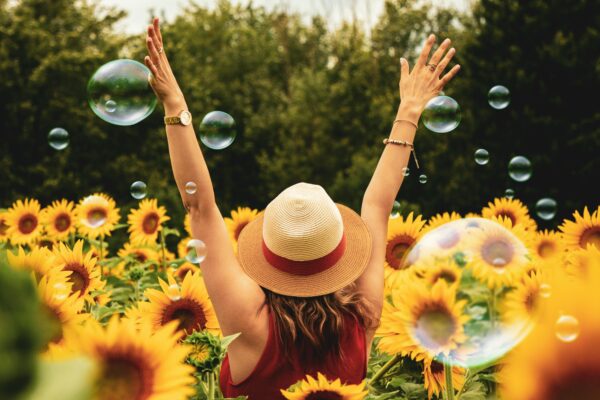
(134, 321)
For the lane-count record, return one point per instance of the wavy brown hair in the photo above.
(314, 325)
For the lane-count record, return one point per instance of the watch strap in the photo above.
(172, 120)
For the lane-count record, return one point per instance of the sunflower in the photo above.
(183, 270)
(523, 303)
(440, 219)
(512, 209)
(23, 220)
(435, 383)
(40, 261)
(182, 249)
(133, 254)
(85, 274)
(239, 219)
(499, 256)
(96, 215)
(402, 234)
(187, 224)
(583, 231)
(321, 388)
(188, 304)
(434, 269)
(134, 362)
(547, 245)
(59, 219)
(582, 262)
(3, 227)
(422, 322)
(146, 221)
(557, 360)
(59, 305)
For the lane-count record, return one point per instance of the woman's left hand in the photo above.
(163, 80)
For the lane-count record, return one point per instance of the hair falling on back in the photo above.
(313, 326)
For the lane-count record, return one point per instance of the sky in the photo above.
(336, 11)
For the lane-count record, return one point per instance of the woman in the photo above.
(306, 289)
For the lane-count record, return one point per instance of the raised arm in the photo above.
(235, 296)
(417, 87)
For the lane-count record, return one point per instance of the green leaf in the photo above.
(226, 341)
(171, 231)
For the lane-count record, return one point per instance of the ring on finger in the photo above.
(160, 50)
(432, 67)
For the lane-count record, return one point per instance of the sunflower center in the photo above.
(324, 395)
(434, 328)
(436, 367)
(140, 256)
(200, 353)
(546, 249)
(124, 378)
(150, 223)
(79, 278)
(183, 271)
(27, 223)
(3, 227)
(590, 236)
(396, 250)
(189, 313)
(46, 243)
(448, 276)
(62, 222)
(497, 252)
(509, 215)
(238, 229)
(531, 301)
(96, 217)
(448, 238)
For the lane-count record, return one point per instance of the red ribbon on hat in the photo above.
(308, 267)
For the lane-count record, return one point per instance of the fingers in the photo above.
(157, 31)
(157, 43)
(153, 53)
(404, 69)
(448, 77)
(437, 56)
(425, 52)
(151, 67)
(442, 65)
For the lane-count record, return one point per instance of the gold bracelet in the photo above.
(406, 120)
(405, 144)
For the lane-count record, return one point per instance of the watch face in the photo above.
(185, 117)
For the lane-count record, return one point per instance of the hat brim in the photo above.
(348, 268)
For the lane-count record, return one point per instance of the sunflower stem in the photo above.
(101, 255)
(449, 387)
(386, 367)
(162, 247)
(211, 386)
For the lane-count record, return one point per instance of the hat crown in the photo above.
(302, 223)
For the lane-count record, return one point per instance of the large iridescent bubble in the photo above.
(467, 291)
(119, 92)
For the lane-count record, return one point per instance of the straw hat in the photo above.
(304, 244)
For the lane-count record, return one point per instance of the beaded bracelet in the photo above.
(405, 144)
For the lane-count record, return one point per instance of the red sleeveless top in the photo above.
(274, 372)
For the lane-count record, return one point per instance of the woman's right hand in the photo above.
(425, 81)
(163, 80)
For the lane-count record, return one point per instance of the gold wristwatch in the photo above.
(184, 118)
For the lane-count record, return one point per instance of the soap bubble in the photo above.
(545, 290)
(190, 188)
(509, 193)
(396, 210)
(480, 264)
(97, 215)
(138, 190)
(441, 114)
(217, 130)
(546, 208)
(499, 97)
(519, 169)
(58, 139)
(422, 178)
(196, 251)
(482, 156)
(567, 328)
(119, 92)
(405, 171)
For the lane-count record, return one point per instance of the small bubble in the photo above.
(138, 190)
(196, 251)
(111, 106)
(546, 208)
(58, 139)
(405, 171)
(567, 328)
(396, 210)
(509, 193)
(519, 169)
(545, 290)
(499, 97)
(482, 156)
(173, 292)
(422, 178)
(190, 188)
